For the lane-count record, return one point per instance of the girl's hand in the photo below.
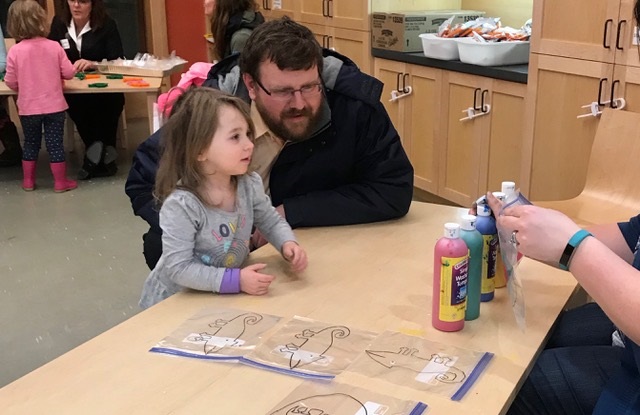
(294, 253)
(253, 282)
(82, 65)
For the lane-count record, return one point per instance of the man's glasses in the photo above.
(79, 2)
(307, 91)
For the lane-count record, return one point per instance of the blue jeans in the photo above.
(571, 372)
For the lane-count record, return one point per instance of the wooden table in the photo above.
(77, 86)
(376, 277)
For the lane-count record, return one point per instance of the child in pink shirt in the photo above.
(35, 67)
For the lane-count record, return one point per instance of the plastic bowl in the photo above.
(437, 47)
(493, 53)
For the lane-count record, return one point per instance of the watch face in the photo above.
(566, 256)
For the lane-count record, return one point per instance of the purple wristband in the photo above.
(230, 281)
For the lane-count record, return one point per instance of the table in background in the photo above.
(77, 86)
(374, 277)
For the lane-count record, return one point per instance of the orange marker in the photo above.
(137, 83)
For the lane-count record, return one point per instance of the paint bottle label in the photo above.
(453, 288)
(489, 257)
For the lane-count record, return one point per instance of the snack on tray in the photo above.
(485, 29)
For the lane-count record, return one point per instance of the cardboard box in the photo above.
(400, 31)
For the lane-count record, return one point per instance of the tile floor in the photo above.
(71, 264)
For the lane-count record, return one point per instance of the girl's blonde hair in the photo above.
(188, 132)
(26, 19)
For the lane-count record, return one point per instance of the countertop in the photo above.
(513, 73)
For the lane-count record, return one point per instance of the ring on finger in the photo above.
(514, 239)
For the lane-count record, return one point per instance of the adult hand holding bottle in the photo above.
(541, 233)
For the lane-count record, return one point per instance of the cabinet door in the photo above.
(274, 9)
(313, 11)
(558, 142)
(460, 157)
(354, 44)
(626, 52)
(347, 14)
(422, 117)
(580, 29)
(320, 32)
(628, 86)
(502, 148)
(389, 72)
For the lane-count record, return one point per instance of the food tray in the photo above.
(133, 70)
(493, 53)
(437, 47)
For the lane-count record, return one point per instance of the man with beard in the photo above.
(325, 146)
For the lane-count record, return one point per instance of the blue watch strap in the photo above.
(573, 243)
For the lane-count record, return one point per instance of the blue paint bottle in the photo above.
(474, 242)
(486, 225)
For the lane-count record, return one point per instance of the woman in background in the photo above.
(232, 21)
(88, 35)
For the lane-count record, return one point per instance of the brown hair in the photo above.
(26, 19)
(188, 132)
(290, 45)
(97, 17)
(222, 12)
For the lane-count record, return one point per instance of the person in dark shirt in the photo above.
(325, 147)
(591, 363)
(88, 35)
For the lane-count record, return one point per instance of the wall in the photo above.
(185, 31)
(393, 5)
(511, 12)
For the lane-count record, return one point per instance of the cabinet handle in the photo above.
(483, 107)
(266, 2)
(325, 8)
(324, 41)
(475, 99)
(329, 8)
(405, 88)
(613, 104)
(602, 81)
(329, 40)
(606, 33)
(398, 81)
(620, 25)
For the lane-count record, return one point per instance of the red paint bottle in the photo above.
(450, 273)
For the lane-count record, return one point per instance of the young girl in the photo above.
(34, 68)
(210, 202)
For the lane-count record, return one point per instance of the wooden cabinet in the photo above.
(572, 67)
(576, 29)
(341, 25)
(415, 116)
(479, 153)
(454, 159)
(560, 142)
(348, 14)
(274, 9)
(354, 44)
